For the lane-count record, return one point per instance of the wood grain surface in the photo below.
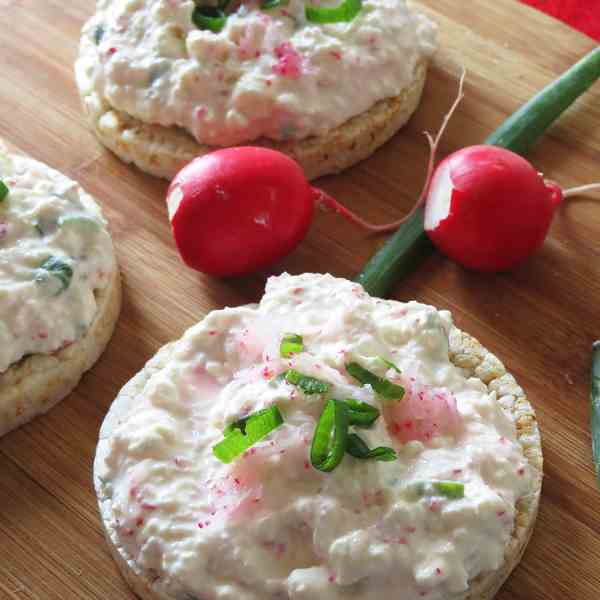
(540, 319)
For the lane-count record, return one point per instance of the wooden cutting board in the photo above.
(540, 319)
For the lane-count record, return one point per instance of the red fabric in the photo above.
(581, 14)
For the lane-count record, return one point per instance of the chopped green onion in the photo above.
(389, 364)
(346, 11)
(359, 449)
(385, 388)
(38, 228)
(3, 191)
(595, 407)
(309, 385)
(243, 434)
(57, 268)
(330, 438)
(98, 34)
(209, 18)
(452, 490)
(361, 414)
(77, 219)
(269, 4)
(290, 344)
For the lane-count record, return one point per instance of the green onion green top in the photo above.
(58, 268)
(357, 447)
(269, 4)
(345, 11)
(595, 407)
(385, 388)
(361, 414)
(389, 364)
(309, 385)
(243, 434)
(330, 438)
(290, 344)
(3, 191)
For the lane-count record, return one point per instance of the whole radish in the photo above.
(238, 209)
(488, 209)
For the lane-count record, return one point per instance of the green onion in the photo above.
(595, 407)
(243, 434)
(330, 438)
(385, 388)
(359, 449)
(77, 219)
(269, 4)
(211, 18)
(452, 490)
(3, 191)
(346, 11)
(98, 34)
(309, 385)
(402, 253)
(57, 268)
(290, 344)
(389, 364)
(361, 414)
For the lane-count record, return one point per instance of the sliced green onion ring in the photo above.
(330, 438)
(357, 447)
(77, 219)
(389, 364)
(290, 344)
(3, 191)
(346, 11)
(361, 414)
(58, 268)
(243, 434)
(210, 18)
(385, 388)
(453, 490)
(309, 385)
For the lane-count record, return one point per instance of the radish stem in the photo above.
(582, 189)
(409, 245)
(324, 200)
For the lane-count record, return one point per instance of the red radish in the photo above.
(488, 208)
(239, 209)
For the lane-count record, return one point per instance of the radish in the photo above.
(410, 244)
(239, 209)
(489, 209)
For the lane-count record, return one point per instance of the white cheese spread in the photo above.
(55, 254)
(267, 73)
(269, 525)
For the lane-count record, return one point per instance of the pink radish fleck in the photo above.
(290, 61)
(423, 413)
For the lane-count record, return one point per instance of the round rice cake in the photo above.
(159, 92)
(144, 473)
(60, 289)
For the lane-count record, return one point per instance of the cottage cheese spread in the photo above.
(55, 253)
(267, 73)
(269, 525)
